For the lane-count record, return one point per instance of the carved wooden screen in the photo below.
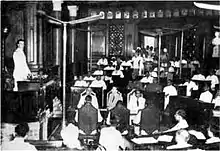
(116, 40)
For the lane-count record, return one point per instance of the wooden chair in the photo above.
(108, 96)
(123, 114)
(87, 122)
(150, 119)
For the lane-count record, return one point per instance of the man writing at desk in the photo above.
(21, 69)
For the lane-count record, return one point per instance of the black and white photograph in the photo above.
(114, 75)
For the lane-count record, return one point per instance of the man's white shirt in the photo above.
(169, 91)
(206, 97)
(214, 80)
(98, 84)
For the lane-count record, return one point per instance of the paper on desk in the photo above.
(198, 135)
(144, 140)
(165, 138)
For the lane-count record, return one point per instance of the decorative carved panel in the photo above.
(116, 40)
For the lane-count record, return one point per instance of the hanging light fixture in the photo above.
(207, 6)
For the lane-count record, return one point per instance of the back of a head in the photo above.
(21, 129)
(88, 99)
(114, 120)
(182, 135)
(119, 103)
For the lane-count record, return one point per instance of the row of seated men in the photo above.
(179, 137)
(88, 117)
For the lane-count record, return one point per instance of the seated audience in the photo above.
(113, 97)
(98, 83)
(213, 78)
(80, 82)
(169, 90)
(94, 99)
(21, 131)
(147, 78)
(206, 95)
(136, 102)
(181, 138)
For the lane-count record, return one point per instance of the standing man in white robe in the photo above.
(21, 69)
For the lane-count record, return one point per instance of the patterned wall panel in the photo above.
(116, 40)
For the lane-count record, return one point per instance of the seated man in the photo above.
(118, 72)
(70, 136)
(98, 83)
(169, 90)
(18, 143)
(206, 96)
(102, 61)
(80, 82)
(89, 77)
(88, 100)
(83, 96)
(147, 78)
(180, 118)
(111, 139)
(99, 71)
(113, 97)
(181, 138)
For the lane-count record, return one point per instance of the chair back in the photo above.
(150, 119)
(108, 97)
(123, 114)
(88, 118)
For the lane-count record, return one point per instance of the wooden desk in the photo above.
(22, 104)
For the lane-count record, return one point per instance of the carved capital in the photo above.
(57, 5)
(73, 10)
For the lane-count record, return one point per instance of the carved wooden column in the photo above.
(71, 36)
(129, 38)
(40, 38)
(57, 34)
(31, 35)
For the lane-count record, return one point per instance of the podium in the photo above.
(24, 103)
